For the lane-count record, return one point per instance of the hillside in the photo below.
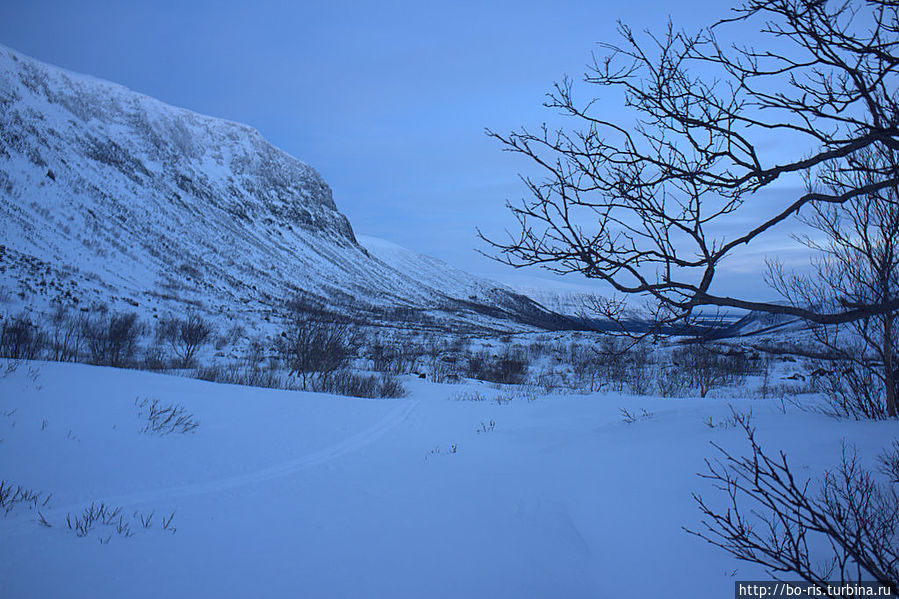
(111, 197)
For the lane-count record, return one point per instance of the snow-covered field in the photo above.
(288, 494)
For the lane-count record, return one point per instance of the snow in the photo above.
(289, 494)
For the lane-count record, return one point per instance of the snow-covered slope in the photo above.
(571, 299)
(108, 196)
(289, 494)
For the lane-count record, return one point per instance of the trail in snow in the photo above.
(311, 460)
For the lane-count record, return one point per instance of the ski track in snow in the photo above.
(310, 460)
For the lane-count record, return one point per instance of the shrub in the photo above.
(212, 373)
(393, 358)
(346, 382)
(165, 419)
(186, 336)
(242, 373)
(113, 520)
(315, 350)
(391, 386)
(11, 496)
(844, 528)
(155, 358)
(584, 366)
(708, 368)
(672, 381)
(254, 369)
(112, 339)
(850, 390)
(20, 339)
(234, 334)
(66, 336)
(469, 395)
(507, 368)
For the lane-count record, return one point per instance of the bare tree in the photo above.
(638, 204)
(857, 264)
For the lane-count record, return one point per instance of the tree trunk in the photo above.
(888, 366)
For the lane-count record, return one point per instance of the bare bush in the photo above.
(155, 358)
(234, 334)
(391, 386)
(346, 382)
(314, 350)
(242, 373)
(849, 390)
(392, 358)
(440, 360)
(704, 367)
(165, 419)
(255, 368)
(112, 338)
(12, 496)
(629, 418)
(113, 521)
(640, 376)
(509, 367)
(66, 336)
(584, 366)
(622, 365)
(549, 380)
(186, 336)
(613, 356)
(469, 395)
(20, 338)
(844, 527)
(672, 381)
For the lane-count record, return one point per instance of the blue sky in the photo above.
(388, 100)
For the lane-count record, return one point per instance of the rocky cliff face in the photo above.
(102, 139)
(108, 196)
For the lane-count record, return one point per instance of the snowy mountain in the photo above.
(574, 300)
(111, 197)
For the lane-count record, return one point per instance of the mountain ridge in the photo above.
(113, 197)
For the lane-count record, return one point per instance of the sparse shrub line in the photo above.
(111, 519)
